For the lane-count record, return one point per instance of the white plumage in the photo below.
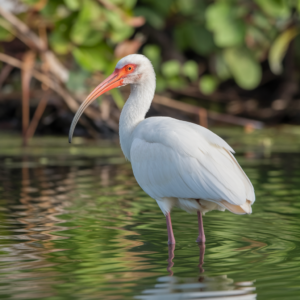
(177, 163)
(176, 159)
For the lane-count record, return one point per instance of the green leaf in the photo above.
(50, 9)
(72, 4)
(194, 36)
(59, 43)
(153, 52)
(208, 84)
(93, 38)
(161, 7)
(120, 35)
(275, 8)
(201, 40)
(279, 48)
(114, 20)
(129, 4)
(176, 82)
(151, 16)
(221, 68)
(79, 32)
(93, 58)
(119, 29)
(188, 7)
(244, 68)
(83, 34)
(190, 70)
(181, 36)
(90, 11)
(170, 68)
(222, 20)
(161, 83)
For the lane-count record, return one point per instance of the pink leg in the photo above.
(171, 239)
(170, 259)
(201, 237)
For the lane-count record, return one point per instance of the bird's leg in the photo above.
(171, 239)
(201, 237)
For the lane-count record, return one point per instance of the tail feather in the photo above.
(238, 209)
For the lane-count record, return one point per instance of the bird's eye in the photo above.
(129, 68)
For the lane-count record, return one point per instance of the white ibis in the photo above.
(177, 163)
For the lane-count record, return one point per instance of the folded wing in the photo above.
(172, 158)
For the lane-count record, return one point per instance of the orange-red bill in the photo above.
(113, 81)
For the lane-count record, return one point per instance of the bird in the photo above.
(177, 163)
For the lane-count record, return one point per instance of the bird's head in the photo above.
(134, 69)
(131, 69)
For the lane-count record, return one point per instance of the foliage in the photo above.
(234, 37)
(216, 40)
(88, 30)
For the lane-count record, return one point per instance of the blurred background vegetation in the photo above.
(234, 57)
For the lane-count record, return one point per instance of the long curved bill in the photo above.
(113, 81)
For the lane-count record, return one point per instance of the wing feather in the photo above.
(171, 158)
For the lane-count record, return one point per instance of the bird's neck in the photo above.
(134, 112)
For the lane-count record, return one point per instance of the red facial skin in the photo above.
(111, 82)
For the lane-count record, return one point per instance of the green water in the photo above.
(75, 225)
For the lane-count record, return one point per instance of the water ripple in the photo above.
(83, 229)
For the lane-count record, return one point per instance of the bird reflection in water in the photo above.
(171, 256)
(204, 287)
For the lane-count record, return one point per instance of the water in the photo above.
(77, 226)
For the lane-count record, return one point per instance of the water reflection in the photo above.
(171, 250)
(218, 287)
(81, 228)
(204, 287)
(32, 208)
